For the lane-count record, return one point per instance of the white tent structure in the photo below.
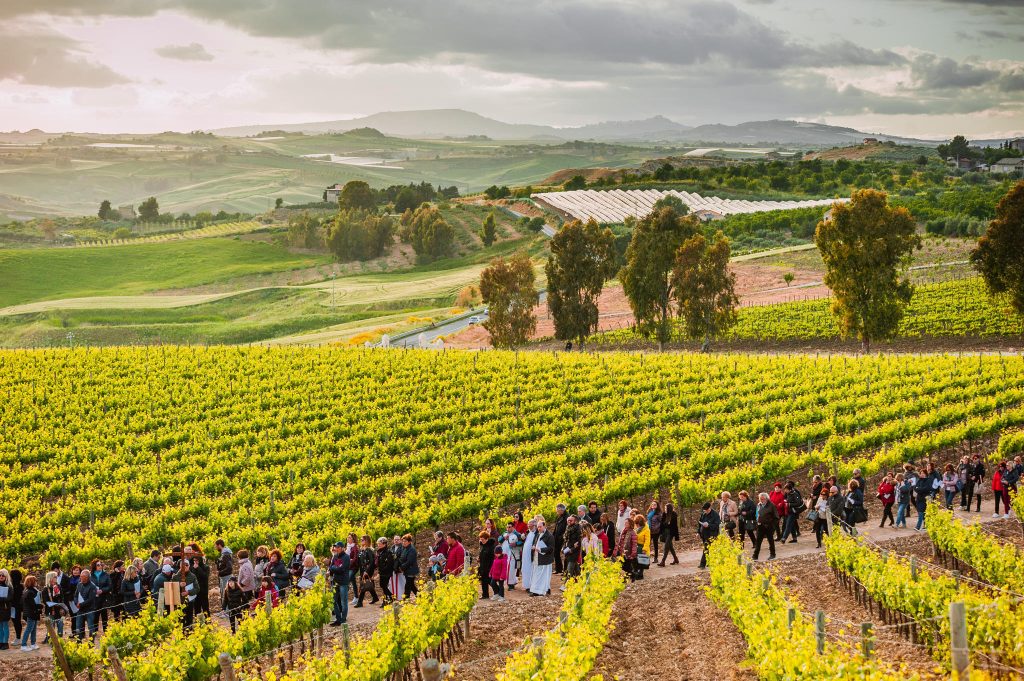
(615, 205)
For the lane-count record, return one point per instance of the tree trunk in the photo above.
(865, 344)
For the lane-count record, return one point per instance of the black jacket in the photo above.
(234, 600)
(225, 564)
(104, 584)
(795, 501)
(339, 569)
(279, 573)
(546, 556)
(483, 567)
(366, 562)
(594, 518)
(748, 511)
(29, 605)
(408, 561)
(713, 520)
(87, 592)
(768, 516)
(669, 526)
(572, 541)
(609, 531)
(132, 603)
(385, 563)
(561, 522)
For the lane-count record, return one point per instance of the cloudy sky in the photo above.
(927, 68)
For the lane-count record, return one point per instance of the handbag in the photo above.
(749, 525)
(730, 524)
(643, 559)
(812, 516)
(860, 514)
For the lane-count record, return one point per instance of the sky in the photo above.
(921, 68)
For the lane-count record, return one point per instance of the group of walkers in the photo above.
(525, 554)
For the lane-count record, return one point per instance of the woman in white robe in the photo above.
(529, 560)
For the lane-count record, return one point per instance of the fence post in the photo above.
(269, 602)
(866, 641)
(913, 568)
(750, 569)
(160, 603)
(958, 641)
(819, 630)
(466, 624)
(956, 576)
(58, 650)
(431, 670)
(538, 650)
(345, 643)
(790, 618)
(227, 668)
(115, 664)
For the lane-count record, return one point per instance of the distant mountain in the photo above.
(439, 123)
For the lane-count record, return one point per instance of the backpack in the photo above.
(796, 502)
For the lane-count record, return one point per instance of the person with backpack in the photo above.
(654, 517)
(794, 507)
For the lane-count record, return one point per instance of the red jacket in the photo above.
(499, 568)
(605, 549)
(997, 481)
(778, 498)
(261, 597)
(456, 559)
(441, 548)
(886, 493)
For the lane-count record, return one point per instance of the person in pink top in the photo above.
(499, 573)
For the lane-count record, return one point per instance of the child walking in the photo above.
(499, 573)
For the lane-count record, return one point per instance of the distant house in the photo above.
(707, 215)
(870, 140)
(963, 163)
(1017, 144)
(333, 193)
(127, 212)
(827, 217)
(1008, 166)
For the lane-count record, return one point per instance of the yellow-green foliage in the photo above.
(994, 561)
(396, 641)
(761, 615)
(569, 649)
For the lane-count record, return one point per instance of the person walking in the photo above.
(31, 607)
(1000, 490)
(794, 507)
(903, 492)
(767, 514)
(922, 490)
(820, 511)
(729, 512)
(484, 561)
(778, 497)
(367, 566)
(976, 481)
(887, 495)
(747, 520)
(643, 540)
(131, 591)
(498, 574)
(529, 556)
(950, 483)
(558, 532)
(385, 562)
(855, 512)
(234, 602)
(627, 549)
(707, 529)
(654, 516)
(511, 543)
(100, 579)
(338, 568)
(572, 543)
(669, 533)
(86, 601)
(225, 565)
(410, 565)
(544, 549)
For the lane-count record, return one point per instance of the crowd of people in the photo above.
(525, 554)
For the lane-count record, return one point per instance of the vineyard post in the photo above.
(58, 651)
(913, 568)
(956, 576)
(115, 664)
(466, 623)
(227, 669)
(538, 650)
(160, 603)
(819, 630)
(958, 640)
(867, 645)
(269, 603)
(345, 643)
(790, 618)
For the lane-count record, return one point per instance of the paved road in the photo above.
(427, 336)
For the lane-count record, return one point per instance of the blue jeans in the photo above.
(5, 631)
(80, 621)
(29, 633)
(901, 514)
(920, 515)
(950, 495)
(341, 602)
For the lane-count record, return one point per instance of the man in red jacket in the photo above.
(456, 556)
(778, 499)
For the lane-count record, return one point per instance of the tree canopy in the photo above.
(582, 260)
(507, 287)
(487, 230)
(357, 195)
(866, 246)
(650, 258)
(149, 209)
(999, 255)
(704, 287)
(429, 233)
(359, 235)
(106, 212)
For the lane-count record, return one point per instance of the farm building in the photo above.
(616, 205)
(1016, 144)
(333, 193)
(1008, 166)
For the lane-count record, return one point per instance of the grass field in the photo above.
(42, 274)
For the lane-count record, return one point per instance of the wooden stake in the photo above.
(958, 644)
(58, 651)
(867, 644)
(819, 630)
(227, 668)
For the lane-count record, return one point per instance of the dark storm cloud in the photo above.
(50, 59)
(940, 73)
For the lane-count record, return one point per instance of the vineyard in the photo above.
(148, 446)
(958, 309)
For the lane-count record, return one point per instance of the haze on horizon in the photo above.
(918, 68)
